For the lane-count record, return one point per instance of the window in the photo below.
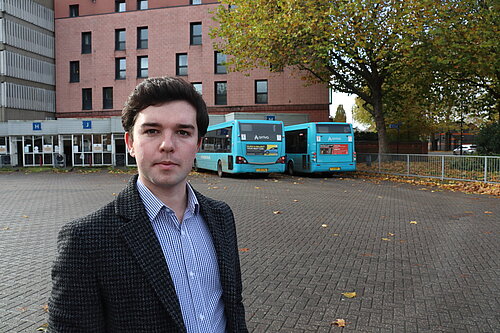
(107, 97)
(120, 6)
(220, 63)
(181, 64)
(198, 87)
(120, 39)
(74, 10)
(142, 4)
(74, 71)
(86, 99)
(261, 92)
(142, 37)
(195, 2)
(220, 93)
(142, 66)
(120, 68)
(195, 33)
(86, 42)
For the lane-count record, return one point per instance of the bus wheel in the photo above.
(290, 168)
(219, 169)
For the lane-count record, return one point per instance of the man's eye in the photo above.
(184, 133)
(151, 131)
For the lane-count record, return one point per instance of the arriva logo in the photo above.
(334, 139)
(262, 137)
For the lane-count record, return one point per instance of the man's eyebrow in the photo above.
(187, 126)
(152, 124)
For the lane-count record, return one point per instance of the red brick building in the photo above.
(104, 48)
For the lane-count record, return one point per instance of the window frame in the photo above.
(107, 103)
(118, 6)
(260, 94)
(196, 85)
(140, 69)
(86, 98)
(140, 3)
(120, 45)
(220, 99)
(74, 10)
(86, 47)
(198, 38)
(181, 70)
(142, 44)
(195, 2)
(74, 71)
(219, 68)
(119, 70)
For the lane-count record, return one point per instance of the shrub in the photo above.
(488, 139)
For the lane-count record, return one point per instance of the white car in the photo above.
(467, 149)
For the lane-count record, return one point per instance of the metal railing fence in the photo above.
(465, 168)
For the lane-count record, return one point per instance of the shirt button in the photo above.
(202, 317)
(191, 274)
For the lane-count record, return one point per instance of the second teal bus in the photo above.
(243, 146)
(321, 147)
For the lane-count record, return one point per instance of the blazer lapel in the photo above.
(215, 219)
(141, 238)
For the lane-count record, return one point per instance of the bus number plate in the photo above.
(334, 169)
(261, 170)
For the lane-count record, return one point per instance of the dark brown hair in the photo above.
(159, 90)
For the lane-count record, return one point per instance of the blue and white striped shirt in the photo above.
(190, 255)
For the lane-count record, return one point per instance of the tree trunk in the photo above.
(378, 113)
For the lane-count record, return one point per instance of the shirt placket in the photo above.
(192, 272)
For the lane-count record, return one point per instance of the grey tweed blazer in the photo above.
(110, 274)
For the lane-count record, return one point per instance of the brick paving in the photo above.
(304, 242)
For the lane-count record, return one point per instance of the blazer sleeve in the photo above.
(75, 304)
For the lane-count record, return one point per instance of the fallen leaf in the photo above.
(23, 309)
(295, 200)
(390, 234)
(324, 225)
(386, 239)
(257, 187)
(339, 323)
(114, 193)
(367, 254)
(276, 212)
(351, 294)
(45, 308)
(43, 328)
(413, 222)
(245, 249)
(25, 216)
(6, 228)
(487, 212)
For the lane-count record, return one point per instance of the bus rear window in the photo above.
(333, 128)
(261, 132)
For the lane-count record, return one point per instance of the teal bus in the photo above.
(320, 147)
(243, 146)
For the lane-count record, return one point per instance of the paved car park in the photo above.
(419, 260)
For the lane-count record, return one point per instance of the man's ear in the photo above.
(129, 142)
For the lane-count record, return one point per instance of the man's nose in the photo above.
(167, 143)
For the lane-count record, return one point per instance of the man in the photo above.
(161, 257)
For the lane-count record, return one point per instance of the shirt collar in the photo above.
(153, 205)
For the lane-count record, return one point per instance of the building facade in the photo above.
(105, 48)
(27, 66)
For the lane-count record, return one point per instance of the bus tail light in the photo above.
(241, 160)
(281, 160)
(354, 156)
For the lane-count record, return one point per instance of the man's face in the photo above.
(164, 144)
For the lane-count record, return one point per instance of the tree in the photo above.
(488, 140)
(355, 46)
(340, 116)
